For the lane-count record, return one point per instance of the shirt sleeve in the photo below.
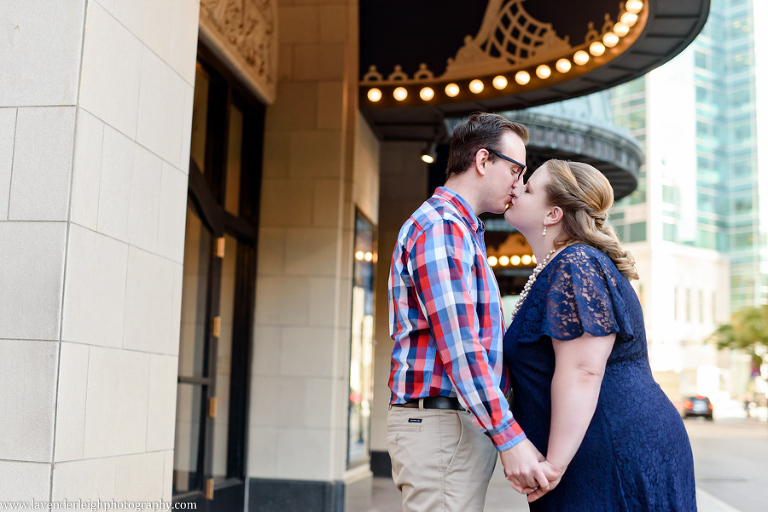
(441, 263)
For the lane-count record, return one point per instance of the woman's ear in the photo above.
(554, 216)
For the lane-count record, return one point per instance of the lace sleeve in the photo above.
(578, 299)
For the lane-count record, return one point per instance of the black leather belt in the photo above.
(434, 402)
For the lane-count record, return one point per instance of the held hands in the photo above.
(523, 468)
(554, 473)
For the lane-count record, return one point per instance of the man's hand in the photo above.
(522, 468)
(554, 474)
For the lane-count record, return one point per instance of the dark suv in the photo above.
(697, 406)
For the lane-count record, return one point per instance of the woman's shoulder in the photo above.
(581, 254)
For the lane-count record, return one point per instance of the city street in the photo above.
(731, 459)
(730, 454)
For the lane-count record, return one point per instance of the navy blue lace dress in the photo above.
(636, 455)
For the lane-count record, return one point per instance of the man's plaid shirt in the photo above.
(445, 316)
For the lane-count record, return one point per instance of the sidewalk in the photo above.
(501, 497)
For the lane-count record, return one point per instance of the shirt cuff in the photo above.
(507, 436)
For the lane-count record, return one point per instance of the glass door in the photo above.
(218, 291)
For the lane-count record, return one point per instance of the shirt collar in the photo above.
(463, 206)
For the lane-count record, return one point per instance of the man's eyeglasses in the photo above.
(521, 168)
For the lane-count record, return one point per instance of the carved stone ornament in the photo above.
(509, 38)
(243, 32)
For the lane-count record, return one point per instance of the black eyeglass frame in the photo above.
(523, 168)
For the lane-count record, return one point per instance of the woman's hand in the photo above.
(554, 474)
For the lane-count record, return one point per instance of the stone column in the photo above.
(95, 116)
(320, 161)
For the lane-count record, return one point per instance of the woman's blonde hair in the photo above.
(585, 196)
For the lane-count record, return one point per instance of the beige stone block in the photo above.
(27, 397)
(326, 61)
(139, 477)
(277, 147)
(294, 109)
(94, 295)
(333, 23)
(299, 24)
(318, 395)
(149, 303)
(109, 84)
(271, 251)
(70, 404)
(161, 108)
(86, 172)
(24, 481)
(172, 214)
(186, 130)
(31, 279)
(42, 163)
(315, 154)
(323, 301)
(286, 203)
(116, 427)
(184, 27)
(144, 208)
(263, 450)
(268, 390)
(40, 54)
(311, 252)
(307, 352)
(161, 420)
(284, 62)
(167, 475)
(84, 479)
(7, 136)
(266, 350)
(150, 21)
(115, 185)
(281, 301)
(326, 204)
(178, 281)
(330, 105)
(304, 454)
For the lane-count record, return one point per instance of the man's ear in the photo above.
(554, 216)
(481, 158)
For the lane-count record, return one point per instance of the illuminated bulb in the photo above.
(543, 71)
(500, 82)
(452, 90)
(427, 93)
(620, 29)
(629, 19)
(368, 256)
(476, 86)
(597, 48)
(359, 255)
(535, 261)
(563, 65)
(515, 260)
(374, 94)
(428, 159)
(493, 261)
(400, 93)
(610, 39)
(634, 6)
(504, 261)
(581, 57)
(526, 259)
(522, 77)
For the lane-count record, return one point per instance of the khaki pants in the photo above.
(442, 463)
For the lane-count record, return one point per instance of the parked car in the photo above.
(697, 406)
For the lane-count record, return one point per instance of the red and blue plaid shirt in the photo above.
(445, 316)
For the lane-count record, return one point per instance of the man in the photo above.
(446, 320)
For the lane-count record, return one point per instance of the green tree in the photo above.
(747, 331)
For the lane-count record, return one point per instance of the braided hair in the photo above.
(586, 195)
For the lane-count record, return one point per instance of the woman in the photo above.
(577, 355)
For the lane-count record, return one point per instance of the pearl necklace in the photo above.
(532, 279)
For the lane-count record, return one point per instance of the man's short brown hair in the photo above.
(480, 130)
